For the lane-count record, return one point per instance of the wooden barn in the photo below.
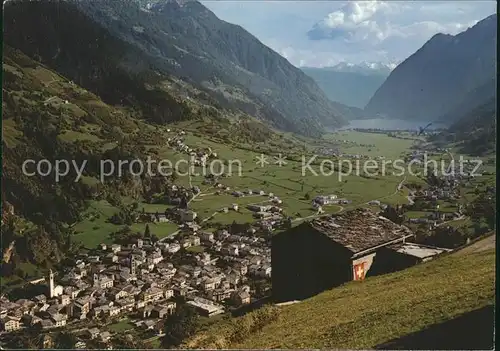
(329, 251)
(403, 255)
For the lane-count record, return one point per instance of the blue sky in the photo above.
(324, 33)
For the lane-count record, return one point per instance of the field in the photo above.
(120, 326)
(380, 144)
(293, 181)
(73, 135)
(362, 315)
(96, 228)
(417, 214)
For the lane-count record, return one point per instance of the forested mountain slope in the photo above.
(440, 75)
(94, 42)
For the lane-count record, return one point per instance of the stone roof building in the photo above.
(329, 251)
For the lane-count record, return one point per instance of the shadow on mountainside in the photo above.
(471, 331)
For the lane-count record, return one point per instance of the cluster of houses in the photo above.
(434, 218)
(181, 215)
(438, 193)
(198, 155)
(141, 280)
(265, 211)
(329, 200)
(354, 156)
(355, 143)
(333, 151)
(328, 151)
(268, 216)
(446, 190)
(250, 192)
(322, 200)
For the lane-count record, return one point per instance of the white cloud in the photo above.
(323, 33)
(428, 28)
(375, 21)
(353, 22)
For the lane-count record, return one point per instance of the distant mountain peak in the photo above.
(377, 66)
(364, 67)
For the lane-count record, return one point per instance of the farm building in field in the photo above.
(258, 208)
(324, 200)
(188, 216)
(329, 251)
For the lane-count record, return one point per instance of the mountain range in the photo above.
(168, 38)
(143, 43)
(350, 84)
(448, 74)
(369, 68)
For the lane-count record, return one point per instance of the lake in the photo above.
(390, 124)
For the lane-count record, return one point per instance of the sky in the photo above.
(325, 33)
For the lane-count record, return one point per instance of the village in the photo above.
(140, 279)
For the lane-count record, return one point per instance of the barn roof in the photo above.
(360, 229)
(416, 250)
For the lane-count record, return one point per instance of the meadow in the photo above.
(96, 228)
(380, 144)
(294, 183)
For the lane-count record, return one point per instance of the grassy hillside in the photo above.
(362, 315)
(473, 133)
(477, 129)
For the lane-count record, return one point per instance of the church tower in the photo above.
(132, 265)
(51, 284)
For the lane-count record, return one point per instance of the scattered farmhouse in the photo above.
(188, 216)
(324, 200)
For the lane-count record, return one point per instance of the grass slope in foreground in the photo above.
(362, 315)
